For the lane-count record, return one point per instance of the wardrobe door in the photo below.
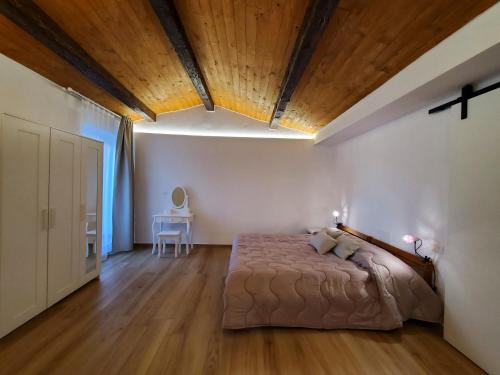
(91, 198)
(64, 215)
(24, 181)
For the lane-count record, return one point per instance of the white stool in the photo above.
(170, 235)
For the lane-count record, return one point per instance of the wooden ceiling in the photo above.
(366, 43)
(243, 48)
(126, 38)
(21, 47)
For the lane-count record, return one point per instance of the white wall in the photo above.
(393, 180)
(26, 94)
(472, 259)
(436, 177)
(235, 185)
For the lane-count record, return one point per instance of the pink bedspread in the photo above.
(280, 280)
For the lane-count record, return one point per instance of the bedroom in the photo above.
(172, 171)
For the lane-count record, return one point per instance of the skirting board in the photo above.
(150, 245)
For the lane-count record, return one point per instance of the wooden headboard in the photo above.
(424, 269)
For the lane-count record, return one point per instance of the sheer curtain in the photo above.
(103, 126)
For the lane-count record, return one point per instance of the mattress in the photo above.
(280, 280)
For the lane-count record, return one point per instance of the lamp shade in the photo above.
(408, 238)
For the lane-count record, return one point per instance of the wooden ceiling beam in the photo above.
(172, 25)
(33, 20)
(315, 20)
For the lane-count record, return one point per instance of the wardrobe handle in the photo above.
(45, 219)
(52, 218)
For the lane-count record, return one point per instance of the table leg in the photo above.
(155, 245)
(188, 229)
(191, 236)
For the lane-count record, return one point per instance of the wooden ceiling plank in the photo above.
(175, 73)
(271, 31)
(261, 34)
(291, 22)
(274, 58)
(264, 31)
(169, 19)
(313, 25)
(32, 19)
(133, 15)
(268, 75)
(100, 18)
(219, 32)
(239, 31)
(286, 57)
(211, 66)
(358, 45)
(251, 35)
(227, 35)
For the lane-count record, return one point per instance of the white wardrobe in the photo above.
(50, 217)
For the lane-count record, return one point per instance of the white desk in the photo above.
(160, 219)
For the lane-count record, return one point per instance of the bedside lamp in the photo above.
(417, 244)
(336, 215)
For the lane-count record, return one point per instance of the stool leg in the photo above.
(155, 244)
(175, 248)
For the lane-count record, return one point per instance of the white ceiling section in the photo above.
(469, 55)
(196, 121)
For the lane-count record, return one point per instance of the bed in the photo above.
(280, 280)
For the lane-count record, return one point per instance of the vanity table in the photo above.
(179, 214)
(172, 218)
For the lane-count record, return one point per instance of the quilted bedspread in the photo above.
(280, 280)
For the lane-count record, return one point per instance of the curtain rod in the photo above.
(76, 94)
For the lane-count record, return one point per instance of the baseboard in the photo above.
(141, 245)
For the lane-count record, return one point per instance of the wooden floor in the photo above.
(153, 316)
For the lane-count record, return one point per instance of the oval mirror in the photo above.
(178, 197)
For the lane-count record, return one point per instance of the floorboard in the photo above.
(163, 316)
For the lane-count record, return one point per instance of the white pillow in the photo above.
(333, 232)
(346, 246)
(322, 242)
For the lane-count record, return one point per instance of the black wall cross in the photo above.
(467, 94)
